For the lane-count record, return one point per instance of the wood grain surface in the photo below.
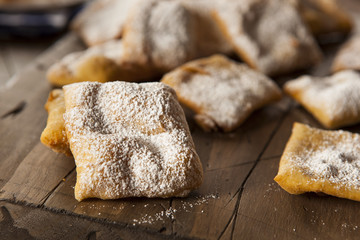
(238, 199)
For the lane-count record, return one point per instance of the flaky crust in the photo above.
(334, 101)
(221, 92)
(348, 56)
(251, 26)
(129, 140)
(320, 161)
(54, 135)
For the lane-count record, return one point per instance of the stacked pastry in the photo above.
(132, 139)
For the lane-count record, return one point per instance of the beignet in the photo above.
(316, 160)
(129, 140)
(221, 92)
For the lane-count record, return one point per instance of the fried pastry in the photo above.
(102, 21)
(334, 101)
(209, 38)
(348, 56)
(316, 160)
(159, 36)
(268, 35)
(129, 140)
(101, 63)
(221, 92)
(159, 33)
(54, 135)
(324, 16)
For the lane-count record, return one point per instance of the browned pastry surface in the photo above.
(101, 63)
(54, 135)
(316, 160)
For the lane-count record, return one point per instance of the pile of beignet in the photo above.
(131, 139)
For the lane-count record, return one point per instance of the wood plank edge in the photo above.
(49, 194)
(104, 222)
(240, 190)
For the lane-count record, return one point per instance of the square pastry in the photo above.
(268, 35)
(334, 101)
(323, 161)
(221, 92)
(129, 140)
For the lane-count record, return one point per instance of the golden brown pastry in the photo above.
(159, 36)
(101, 63)
(221, 92)
(54, 135)
(129, 140)
(102, 21)
(324, 16)
(334, 101)
(316, 160)
(268, 35)
(348, 56)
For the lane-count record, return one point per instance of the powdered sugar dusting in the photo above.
(102, 20)
(251, 25)
(222, 90)
(335, 159)
(129, 140)
(338, 96)
(160, 33)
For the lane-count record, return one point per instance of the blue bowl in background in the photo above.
(36, 21)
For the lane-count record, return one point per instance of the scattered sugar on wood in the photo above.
(169, 213)
(272, 187)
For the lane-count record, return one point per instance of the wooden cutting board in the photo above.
(238, 198)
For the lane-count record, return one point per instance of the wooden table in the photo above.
(238, 199)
